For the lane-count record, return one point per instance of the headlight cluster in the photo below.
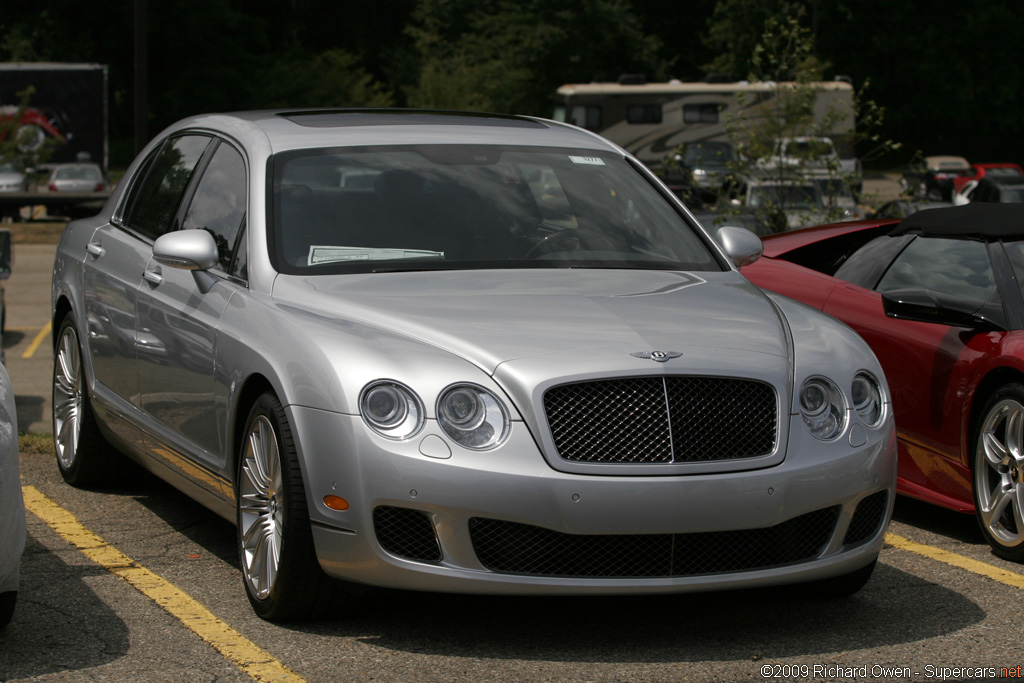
(824, 409)
(392, 410)
(469, 415)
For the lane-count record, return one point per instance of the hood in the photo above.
(490, 317)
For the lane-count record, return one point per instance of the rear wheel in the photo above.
(282, 576)
(998, 472)
(83, 456)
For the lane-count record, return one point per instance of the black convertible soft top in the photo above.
(985, 220)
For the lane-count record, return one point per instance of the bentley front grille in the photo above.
(663, 419)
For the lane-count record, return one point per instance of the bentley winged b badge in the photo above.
(659, 356)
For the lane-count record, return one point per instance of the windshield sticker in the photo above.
(327, 254)
(590, 161)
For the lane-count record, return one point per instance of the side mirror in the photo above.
(193, 250)
(740, 245)
(187, 249)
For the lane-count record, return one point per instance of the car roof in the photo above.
(316, 128)
(989, 220)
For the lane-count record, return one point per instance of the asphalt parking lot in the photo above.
(140, 583)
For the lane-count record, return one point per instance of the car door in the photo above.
(183, 400)
(928, 365)
(116, 257)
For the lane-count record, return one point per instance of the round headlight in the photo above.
(391, 409)
(472, 417)
(823, 408)
(867, 398)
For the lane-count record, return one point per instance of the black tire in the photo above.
(997, 469)
(7, 601)
(841, 586)
(280, 571)
(83, 456)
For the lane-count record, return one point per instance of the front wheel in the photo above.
(282, 576)
(998, 472)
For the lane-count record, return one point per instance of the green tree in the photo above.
(333, 78)
(782, 137)
(509, 57)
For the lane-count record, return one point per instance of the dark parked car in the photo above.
(938, 296)
(933, 177)
(999, 190)
(901, 208)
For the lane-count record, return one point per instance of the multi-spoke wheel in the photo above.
(275, 543)
(82, 454)
(999, 472)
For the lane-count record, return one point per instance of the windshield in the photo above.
(77, 173)
(465, 206)
(709, 154)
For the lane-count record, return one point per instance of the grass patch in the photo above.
(35, 444)
(35, 232)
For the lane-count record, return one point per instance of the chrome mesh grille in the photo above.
(406, 533)
(867, 518)
(511, 547)
(662, 419)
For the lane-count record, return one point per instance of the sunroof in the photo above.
(334, 118)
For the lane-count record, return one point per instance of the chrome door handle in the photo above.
(95, 249)
(153, 277)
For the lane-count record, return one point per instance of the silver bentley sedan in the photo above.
(464, 353)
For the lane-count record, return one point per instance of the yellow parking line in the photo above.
(245, 654)
(992, 572)
(37, 342)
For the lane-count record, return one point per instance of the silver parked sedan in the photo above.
(460, 352)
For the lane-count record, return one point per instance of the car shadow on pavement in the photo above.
(956, 525)
(59, 623)
(723, 626)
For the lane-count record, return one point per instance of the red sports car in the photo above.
(938, 296)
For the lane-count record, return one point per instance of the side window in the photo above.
(643, 113)
(154, 201)
(953, 267)
(219, 202)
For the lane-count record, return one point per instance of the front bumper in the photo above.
(427, 515)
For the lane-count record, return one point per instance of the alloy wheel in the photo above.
(68, 398)
(999, 473)
(261, 507)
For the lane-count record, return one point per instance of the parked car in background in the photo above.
(78, 177)
(12, 506)
(979, 171)
(800, 201)
(838, 196)
(513, 363)
(814, 155)
(933, 177)
(938, 297)
(901, 208)
(708, 164)
(13, 177)
(998, 189)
